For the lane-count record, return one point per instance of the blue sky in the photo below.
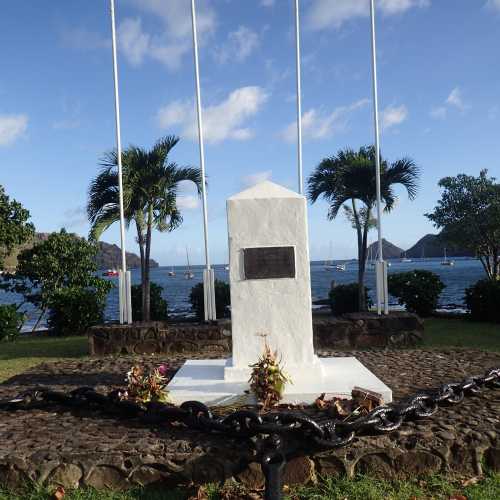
(439, 75)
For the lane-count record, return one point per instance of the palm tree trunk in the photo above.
(364, 246)
(140, 241)
(147, 298)
(361, 259)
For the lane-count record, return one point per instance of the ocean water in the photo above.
(176, 289)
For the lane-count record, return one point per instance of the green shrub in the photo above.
(417, 290)
(222, 300)
(345, 299)
(11, 322)
(483, 300)
(73, 310)
(159, 306)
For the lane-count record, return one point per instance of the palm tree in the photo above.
(348, 179)
(150, 187)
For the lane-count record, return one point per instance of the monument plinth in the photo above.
(270, 302)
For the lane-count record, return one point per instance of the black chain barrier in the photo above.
(281, 434)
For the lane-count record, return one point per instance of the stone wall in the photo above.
(352, 331)
(365, 330)
(159, 338)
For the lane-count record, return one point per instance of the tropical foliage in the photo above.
(150, 185)
(417, 290)
(483, 300)
(222, 300)
(468, 214)
(345, 298)
(73, 310)
(348, 180)
(159, 306)
(14, 226)
(62, 261)
(11, 321)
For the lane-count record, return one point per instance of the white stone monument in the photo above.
(270, 302)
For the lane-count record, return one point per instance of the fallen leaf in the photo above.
(59, 493)
(471, 481)
(320, 402)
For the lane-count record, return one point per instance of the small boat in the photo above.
(446, 261)
(188, 274)
(340, 267)
(405, 258)
(226, 268)
(111, 273)
(171, 272)
(329, 266)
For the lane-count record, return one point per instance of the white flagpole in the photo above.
(208, 275)
(381, 270)
(299, 98)
(124, 313)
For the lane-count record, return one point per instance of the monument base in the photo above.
(203, 380)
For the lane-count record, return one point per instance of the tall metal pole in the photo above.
(209, 299)
(377, 147)
(299, 98)
(123, 300)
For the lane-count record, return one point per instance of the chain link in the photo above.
(246, 423)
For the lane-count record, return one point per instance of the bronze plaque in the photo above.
(269, 263)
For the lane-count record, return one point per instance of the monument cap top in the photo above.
(265, 189)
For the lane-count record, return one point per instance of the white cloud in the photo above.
(12, 127)
(133, 42)
(176, 15)
(221, 121)
(455, 99)
(175, 40)
(239, 45)
(393, 115)
(317, 124)
(188, 202)
(138, 45)
(493, 4)
(168, 46)
(267, 3)
(251, 180)
(332, 14)
(439, 113)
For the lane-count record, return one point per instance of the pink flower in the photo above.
(163, 370)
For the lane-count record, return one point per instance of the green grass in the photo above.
(18, 356)
(369, 488)
(34, 493)
(359, 488)
(454, 332)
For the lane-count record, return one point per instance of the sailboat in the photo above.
(445, 261)
(405, 258)
(188, 274)
(329, 263)
(171, 272)
(330, 266)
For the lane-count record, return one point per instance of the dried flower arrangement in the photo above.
(146, 388)
(267, 380)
